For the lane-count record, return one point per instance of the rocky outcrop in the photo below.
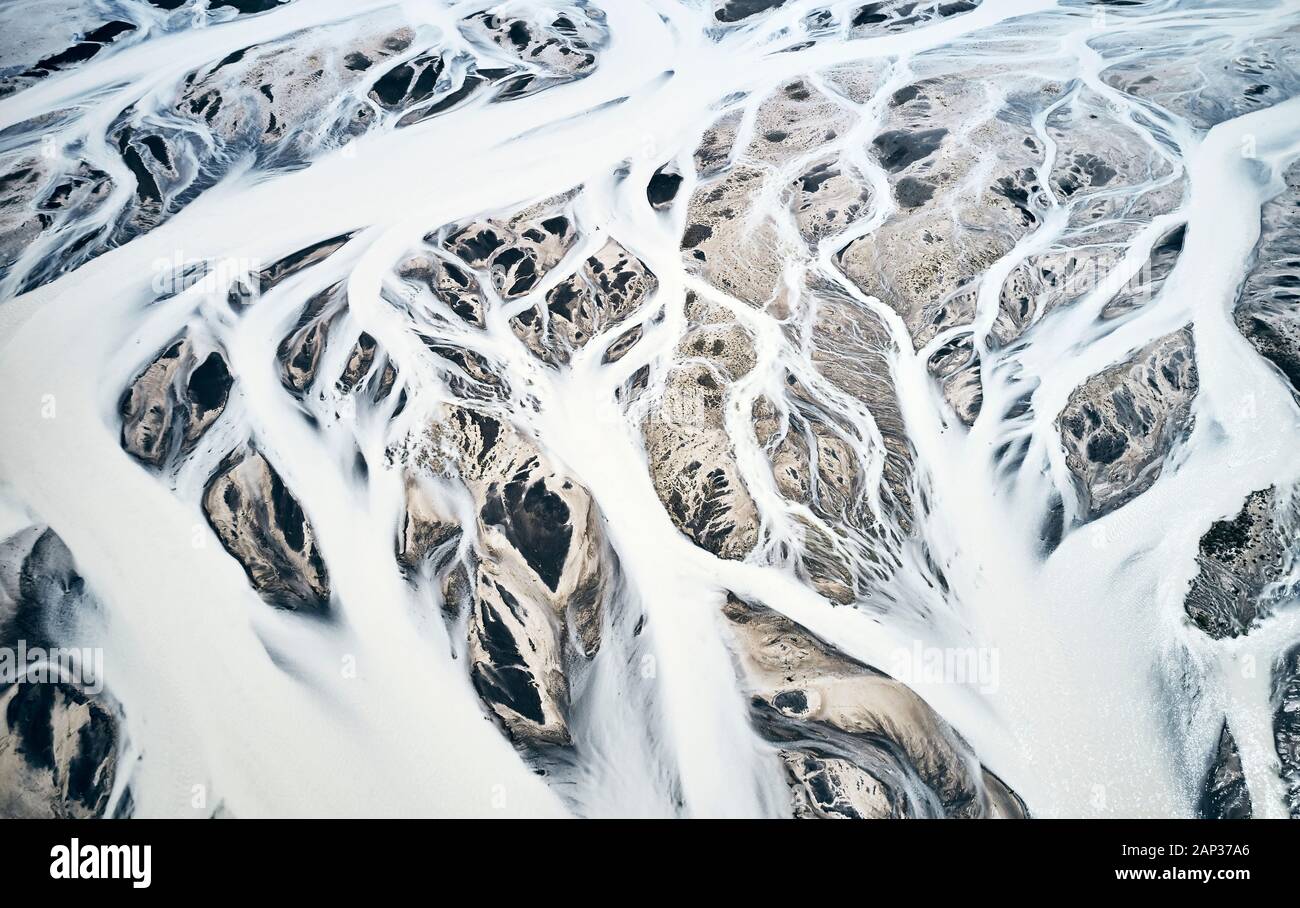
(60, 731)
(278, 104)
(1239, 559)
(827, 197)
(58, 752)
(1203, 81)
(169, 405)
(537, 575)
(264, 100)
(1112, 183)
(888, 16)
(854, 742)
(301, 349)
(956, 366)
(428, 534)
(610, 286)
(853, 350)
(952, 222)
(1120, 425)
(40, 46)
(41, 193)
(553, 45)
(295, 262)
(448, 287)
(1224, 795)
(1267, 312)
(691, 457)
(516, 251)
(262, 525)
(730, 240)
(1286, 725)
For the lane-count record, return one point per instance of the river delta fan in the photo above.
(670, 408)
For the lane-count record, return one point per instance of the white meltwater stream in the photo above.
(1107, 701)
